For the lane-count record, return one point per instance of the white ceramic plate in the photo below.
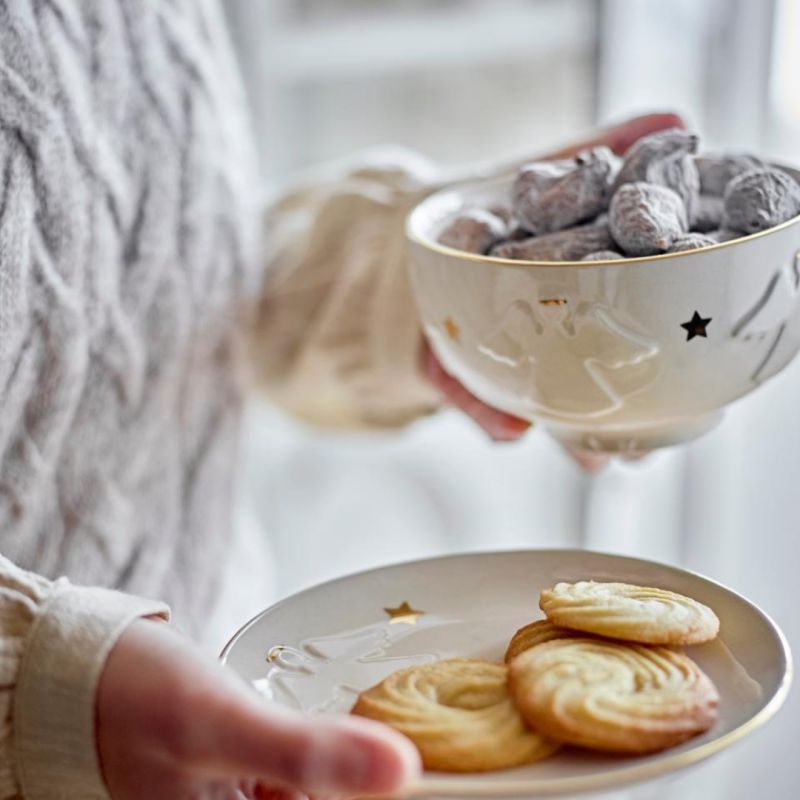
(316, 650)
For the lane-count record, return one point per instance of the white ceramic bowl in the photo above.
(617, 355)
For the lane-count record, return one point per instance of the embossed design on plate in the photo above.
(326, 673)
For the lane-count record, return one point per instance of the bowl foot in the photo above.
(631, 440)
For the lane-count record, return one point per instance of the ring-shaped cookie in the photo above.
(458, 713)
(533, 634)
(612, 696)
(633, 613)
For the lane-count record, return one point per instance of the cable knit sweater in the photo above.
(130, 271)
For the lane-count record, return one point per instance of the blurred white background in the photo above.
(462, 80)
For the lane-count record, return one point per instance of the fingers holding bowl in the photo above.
(621, 136)
(500, 426)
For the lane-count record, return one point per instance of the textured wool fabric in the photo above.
(128, 227)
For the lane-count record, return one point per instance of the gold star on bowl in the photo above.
(403, 614)
(453, 331)
(696, 326)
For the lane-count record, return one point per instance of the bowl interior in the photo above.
(426, 221)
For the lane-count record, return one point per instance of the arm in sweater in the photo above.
(338, 340)
(54, 641)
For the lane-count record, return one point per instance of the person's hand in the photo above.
(172, 725)
(500, 426)
(620, 137)
(503, 427)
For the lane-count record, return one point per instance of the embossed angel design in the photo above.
(326, 673)
(769, 317)
(581, 357)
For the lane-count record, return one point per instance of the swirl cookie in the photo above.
(634, 613)
(611, 696)
(458, 713)
(534, 634)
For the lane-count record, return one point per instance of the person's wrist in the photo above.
(55, 697)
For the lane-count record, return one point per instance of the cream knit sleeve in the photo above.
(54, 640)
(338, 339)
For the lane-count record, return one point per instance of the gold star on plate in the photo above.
(453, 331)
(696, 326)
(274, 653)
(403, 614)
